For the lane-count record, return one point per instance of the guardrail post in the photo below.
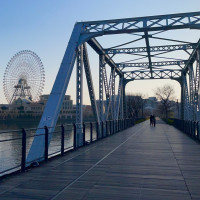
(74, 125)
(46, 143)
(91, 135)
(23, 159)
(198, 130)
(106, 128)
(195, 129)
(83, 134)
(110, 128)
(97, 130)
(62, 139)
(113, 127)
(102, 131)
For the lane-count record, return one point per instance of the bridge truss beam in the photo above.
(165, 48)
(156, 74)
(154, 64)
(142, 24)
(79, 96)
(90, 83)
(185, 101)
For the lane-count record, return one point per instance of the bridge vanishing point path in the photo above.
(141, 162)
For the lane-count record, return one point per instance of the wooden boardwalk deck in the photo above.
(141, 162)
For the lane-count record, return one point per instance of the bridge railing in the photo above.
(189, 127)
(15, 144)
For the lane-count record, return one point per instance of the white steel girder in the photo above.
(197, 87)
(186, 99)
(113, 93)
(108, 99)
(101, 103)
(165, 48)
(141, 24)
(192, 89)
(90, 83)
(54, 103)
(79, 96)
(118, 99)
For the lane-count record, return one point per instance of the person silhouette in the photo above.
(153, 121)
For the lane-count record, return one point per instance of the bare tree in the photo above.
(135, 104)
(165, 95)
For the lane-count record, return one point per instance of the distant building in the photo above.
(151, 105)
(24, 108)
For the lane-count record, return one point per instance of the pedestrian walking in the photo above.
(153, 121)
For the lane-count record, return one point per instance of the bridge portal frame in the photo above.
(86, 32)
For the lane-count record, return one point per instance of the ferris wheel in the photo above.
(24, 77)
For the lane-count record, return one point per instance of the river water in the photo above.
(11, 143)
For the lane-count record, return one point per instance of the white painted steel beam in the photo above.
(54, 103)
(156, 74)
(90, 83)
(141, 24)
(164, 48)
(79, 97)
(118, 99)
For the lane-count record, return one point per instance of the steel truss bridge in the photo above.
(147, 62)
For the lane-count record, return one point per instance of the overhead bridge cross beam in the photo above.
(146, 64)
(165, 48)
(156, 74)
(142, 24)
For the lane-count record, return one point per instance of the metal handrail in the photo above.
(111, 127)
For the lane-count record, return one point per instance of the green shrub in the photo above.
(170, 121)
(139, 121)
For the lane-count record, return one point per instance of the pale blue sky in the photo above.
(44, 26)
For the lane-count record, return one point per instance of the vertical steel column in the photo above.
(113, 98)
(107, 91)
(101, 103)
(90, 83)
(182, 99)
(192, 88)
(105, 80)
(101, 63)
(113, 93)
(124, 99)
(79, 97)
(108, 100)
(121, 103)
(118, 100)
(197, 92)
(196, 95)
(185, 99)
